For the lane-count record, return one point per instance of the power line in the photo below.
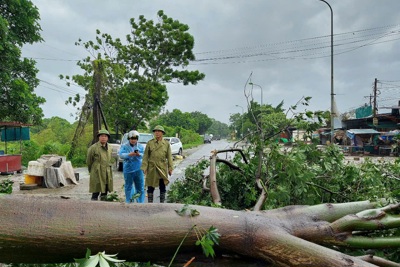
(59, 88)
(306, 48)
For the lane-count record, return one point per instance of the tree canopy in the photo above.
(19, 25)
(135, 73)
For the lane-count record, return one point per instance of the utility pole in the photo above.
(98, 84)
(333, 115)
(370, 98)
(375, 90)
(375, 119)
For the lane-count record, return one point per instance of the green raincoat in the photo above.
(99, 162)
(157, 160)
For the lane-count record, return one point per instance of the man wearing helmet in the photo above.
(157, 164)
(99, 162)
(132, 152)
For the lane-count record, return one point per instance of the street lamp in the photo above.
(242, 118)
(253, 84)
(332, 91)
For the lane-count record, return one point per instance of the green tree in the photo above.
(176, 118)
(219, 129)
(203, 120)
(19, 25)
(236, 121)
(54, 129)
(135, 73)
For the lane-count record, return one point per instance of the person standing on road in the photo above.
(99, 162)
(132, 154)
(157, 164)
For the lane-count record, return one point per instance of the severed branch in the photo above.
(213, 172)
(378, 261)
(262, 198)
(372, 242)
(205, 188)
(391, 175)
(372, 219)
(213, 180)
(232, 150)
(230, 165)
(325, 189)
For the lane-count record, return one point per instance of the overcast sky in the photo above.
(281, 46)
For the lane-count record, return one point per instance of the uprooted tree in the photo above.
(43, 230)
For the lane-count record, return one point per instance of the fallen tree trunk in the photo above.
(53, 230)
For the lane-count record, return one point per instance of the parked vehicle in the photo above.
(115, 144)
(143, 139)
(207, 139)
(176, 145)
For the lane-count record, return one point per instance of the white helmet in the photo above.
(133, 134)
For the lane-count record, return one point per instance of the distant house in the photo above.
(382, 122)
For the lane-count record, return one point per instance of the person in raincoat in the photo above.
(132, 153)
(157, 164)
(99, 162)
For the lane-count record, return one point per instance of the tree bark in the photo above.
(54, 230)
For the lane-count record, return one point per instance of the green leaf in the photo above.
(103, 262)
(212, 234)
(91, 262)
(88, 253)
(182, 211)
(110, 258)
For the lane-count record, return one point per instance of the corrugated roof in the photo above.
(13, 124)
(363, 131)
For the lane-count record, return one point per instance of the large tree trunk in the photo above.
(43, 230)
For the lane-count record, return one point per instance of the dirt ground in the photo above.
(80, 191)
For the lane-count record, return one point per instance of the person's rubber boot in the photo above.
(162, 197)
(150, 197)
(95, 196)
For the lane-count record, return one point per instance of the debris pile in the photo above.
(51, 171)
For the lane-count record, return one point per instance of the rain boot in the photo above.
(162, 197)
(150, 197)
(95, 196)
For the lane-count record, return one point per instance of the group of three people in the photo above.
(154, 162)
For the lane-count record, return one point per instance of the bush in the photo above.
(31, 151)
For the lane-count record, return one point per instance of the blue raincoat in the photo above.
(133, 175)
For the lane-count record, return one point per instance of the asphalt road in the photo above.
(81, 191)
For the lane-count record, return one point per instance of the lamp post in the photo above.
(332, 91)
(253, 84)
(242, 118)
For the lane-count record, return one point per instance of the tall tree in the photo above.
(138, 70)
(177, 118)
(19, 25)
(203, 120)
(218, 129)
